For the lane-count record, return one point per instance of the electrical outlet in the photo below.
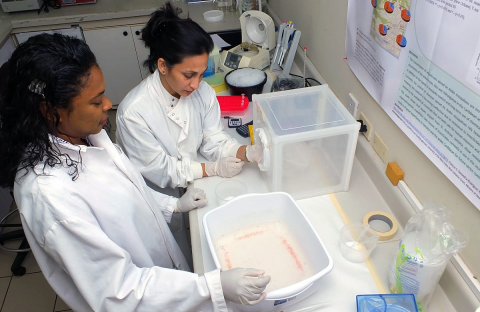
(368, 133)
(352, 105)
(380, 147)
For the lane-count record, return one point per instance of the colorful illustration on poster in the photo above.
(382, 29)
(389, 6)
(390, 19)
(406, 15)
(401, 41)
(374, 3)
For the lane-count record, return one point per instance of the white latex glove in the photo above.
(193, 198)
(244, 286)
(225, 167)
(254, 153)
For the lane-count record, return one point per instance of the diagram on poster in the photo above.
(389, 22)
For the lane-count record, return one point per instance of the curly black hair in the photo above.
(63, 65)
(173, 38)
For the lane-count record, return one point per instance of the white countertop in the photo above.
(107, 10)
(362, 198)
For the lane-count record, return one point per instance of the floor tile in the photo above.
(29, 293)
(6, 260)
(60, 305)
(4, 282)
(6, 257)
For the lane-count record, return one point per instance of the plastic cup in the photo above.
(228, 190)
(357, 242)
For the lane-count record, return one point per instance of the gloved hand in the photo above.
(244, 286)
(193, 198)
(254, 153)
(225, 167)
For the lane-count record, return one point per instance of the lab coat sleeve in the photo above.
(155, 165)
(165, 204)
(216, 142)
(108, 280)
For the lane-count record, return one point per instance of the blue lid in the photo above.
(386, 303)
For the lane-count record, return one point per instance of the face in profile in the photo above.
(87, 112)
(185, 77)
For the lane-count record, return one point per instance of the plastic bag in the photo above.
(427, 245)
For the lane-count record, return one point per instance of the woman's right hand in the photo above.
(244, 286)
(225, 167)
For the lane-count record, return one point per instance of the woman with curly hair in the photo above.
(98, 233)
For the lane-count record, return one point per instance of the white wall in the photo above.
(6, 51)
(323, 26)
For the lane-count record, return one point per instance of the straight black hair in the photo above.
(173, 38)
(49, 69)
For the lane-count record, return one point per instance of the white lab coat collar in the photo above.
(180, 114)
(101, 141)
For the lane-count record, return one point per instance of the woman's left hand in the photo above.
(192, 199)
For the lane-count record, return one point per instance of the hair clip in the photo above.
(37, 87)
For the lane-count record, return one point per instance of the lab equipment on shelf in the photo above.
(217, 82)
(232, 105)
(258, 43)
(287, 42)
(244, 130)
(298, 260)
(309, 140)
(247, 81)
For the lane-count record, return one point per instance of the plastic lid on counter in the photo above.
(387, 303)
(213, 16)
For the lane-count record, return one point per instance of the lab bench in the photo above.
(363, 197)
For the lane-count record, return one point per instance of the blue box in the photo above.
(387, 303)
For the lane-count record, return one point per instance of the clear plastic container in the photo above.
(309, 141)
(357, 241)
(386, 303)
(228, 190)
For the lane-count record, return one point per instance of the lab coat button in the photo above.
(178, 118)
(173, 114)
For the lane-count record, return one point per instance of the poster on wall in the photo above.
(420, 60)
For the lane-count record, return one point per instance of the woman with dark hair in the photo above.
(172, 115)
(98, 233)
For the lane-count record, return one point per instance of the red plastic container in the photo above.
(233, 105)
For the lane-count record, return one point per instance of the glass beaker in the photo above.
(221, 5)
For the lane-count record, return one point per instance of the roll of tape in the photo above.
(385, 217)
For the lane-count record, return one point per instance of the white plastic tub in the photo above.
(254, 209)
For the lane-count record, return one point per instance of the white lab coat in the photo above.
(163, 143)
(102, 241)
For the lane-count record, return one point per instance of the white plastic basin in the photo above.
(254, 209)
